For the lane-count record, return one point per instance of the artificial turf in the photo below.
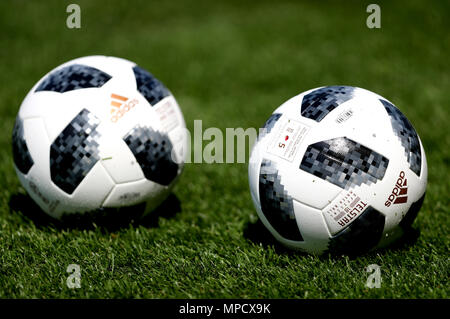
(229, 64)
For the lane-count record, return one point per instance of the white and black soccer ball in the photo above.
(98, 132)
(337, 169)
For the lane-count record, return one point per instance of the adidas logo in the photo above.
(120, 105)
(399, 194)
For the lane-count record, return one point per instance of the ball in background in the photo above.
(337, 169)
(95, 133)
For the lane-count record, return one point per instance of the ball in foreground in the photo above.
(95, 133)
(337, 169)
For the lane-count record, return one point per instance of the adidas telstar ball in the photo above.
(95, 133)
(337, 169)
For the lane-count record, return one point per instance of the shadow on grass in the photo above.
(258, 234)
(108, 219)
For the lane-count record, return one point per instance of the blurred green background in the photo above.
(229, 64)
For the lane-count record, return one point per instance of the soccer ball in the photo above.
(337, 169)
(96, 133)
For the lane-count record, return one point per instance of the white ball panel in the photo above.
(59, 112)
(118, 160)
(315, 239)
(37, 140)
(312, 227)
(40, 104)
(91, 192)
(128, 194)
(307, 188)
(37, 182)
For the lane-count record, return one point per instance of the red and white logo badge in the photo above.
(399, 194)
(120, 105)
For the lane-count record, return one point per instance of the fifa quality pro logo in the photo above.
(400, 191)
(120, 105)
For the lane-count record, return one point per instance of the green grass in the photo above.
(230, 64)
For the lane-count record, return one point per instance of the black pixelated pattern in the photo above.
(276, 204)
(268, 126)
(152, 89)
(73, 77)
(152, 151)
(74, 152)
(407, 135)
(318, 103)
(411, 214)
(21, 155)
(344, 162)
(360, 236)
